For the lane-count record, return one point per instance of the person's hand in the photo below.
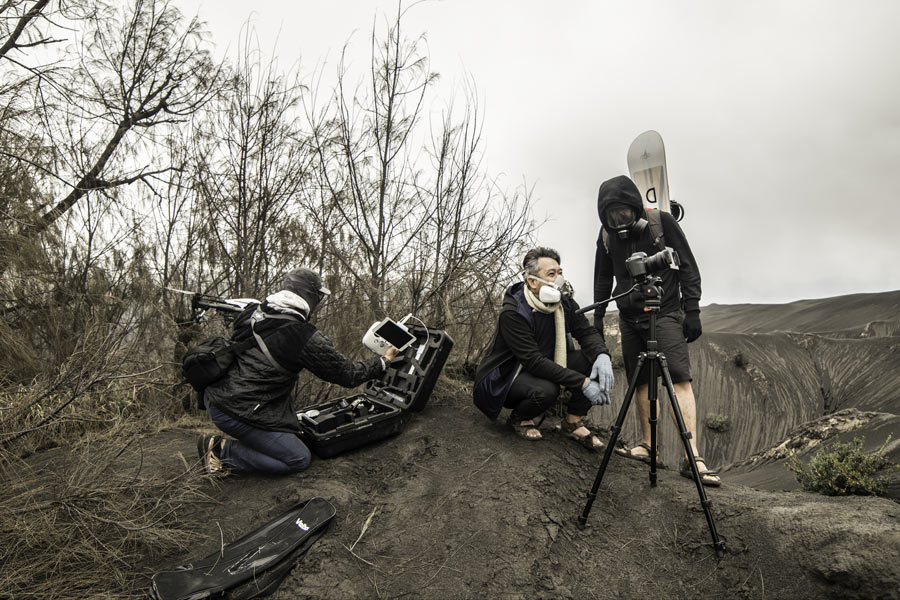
(602, 372)
(594, 393)
(691, 327)
(390, 354)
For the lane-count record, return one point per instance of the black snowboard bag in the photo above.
(381, 410)
(253, 566)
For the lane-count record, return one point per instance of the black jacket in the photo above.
(681, 288)
(528, 338)
(257, 393)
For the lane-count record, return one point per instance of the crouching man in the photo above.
(252, 403)
(530, 358)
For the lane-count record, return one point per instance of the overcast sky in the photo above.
(781, 119)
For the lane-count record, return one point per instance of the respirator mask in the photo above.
(554, 291)
(623, 219)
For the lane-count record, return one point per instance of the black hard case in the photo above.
(381, 409)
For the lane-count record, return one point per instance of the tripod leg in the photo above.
(652, 396)
(614, 429)
(718, 545)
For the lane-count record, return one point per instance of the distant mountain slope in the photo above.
(821, 315)
(772, 368)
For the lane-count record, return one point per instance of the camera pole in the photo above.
(653, 358)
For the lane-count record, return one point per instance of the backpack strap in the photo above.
(236, 347)
(654, 218)
(258, 315)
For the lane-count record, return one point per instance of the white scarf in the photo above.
(288, 302)
(559, 319)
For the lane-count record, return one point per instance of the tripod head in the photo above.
(651, 292)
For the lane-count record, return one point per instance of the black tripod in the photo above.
(653, 358)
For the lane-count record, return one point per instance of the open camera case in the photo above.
(381, 410)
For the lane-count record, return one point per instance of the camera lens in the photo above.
(657, 262)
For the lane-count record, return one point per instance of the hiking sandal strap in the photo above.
(707, 472)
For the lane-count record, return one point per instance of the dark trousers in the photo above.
(531, 396)
(255, 449)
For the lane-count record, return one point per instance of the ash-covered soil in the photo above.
(459, 507)
(456, 506)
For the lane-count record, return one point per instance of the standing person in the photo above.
(252, 403)
(627, 228)
(530, 359)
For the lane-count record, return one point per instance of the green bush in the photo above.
(717, 422)
(740, 361)
(844, 469)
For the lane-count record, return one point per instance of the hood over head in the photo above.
(619, 190)
(307, 284)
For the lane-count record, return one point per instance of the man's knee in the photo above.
(298, 460)
(544, 392)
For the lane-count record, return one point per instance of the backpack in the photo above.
(209, 361)
(656, 230)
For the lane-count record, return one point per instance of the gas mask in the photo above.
(554, 291)
(624, 220)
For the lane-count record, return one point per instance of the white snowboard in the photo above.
(647, 165)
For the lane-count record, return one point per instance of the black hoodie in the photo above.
(681, 288)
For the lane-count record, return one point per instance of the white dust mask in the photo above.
(554, 291)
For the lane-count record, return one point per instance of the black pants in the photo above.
(531, 396)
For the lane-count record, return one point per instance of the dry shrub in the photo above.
(718, 422)
(454, 386)
(82, 524)
(102, 382)
(845, 469)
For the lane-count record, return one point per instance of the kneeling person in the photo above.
(252, 403)
(530, 360)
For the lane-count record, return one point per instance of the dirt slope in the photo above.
(461, 508)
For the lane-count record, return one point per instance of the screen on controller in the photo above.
(394, 334)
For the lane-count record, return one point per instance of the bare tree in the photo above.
(140, 68)
(253, 161)
(368, 160)
(433, 236)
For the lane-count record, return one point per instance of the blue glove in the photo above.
(595, 394)
(602, 372)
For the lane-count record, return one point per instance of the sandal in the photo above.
(526, 431)
(589, 441)
(707, 477)
(629, 453)
(206, 445)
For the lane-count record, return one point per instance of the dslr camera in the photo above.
(640, 266)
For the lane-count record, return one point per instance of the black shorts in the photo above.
(670, 341)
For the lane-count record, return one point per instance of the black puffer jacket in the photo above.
(526, 337)
(681, 288)
(257, 393)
